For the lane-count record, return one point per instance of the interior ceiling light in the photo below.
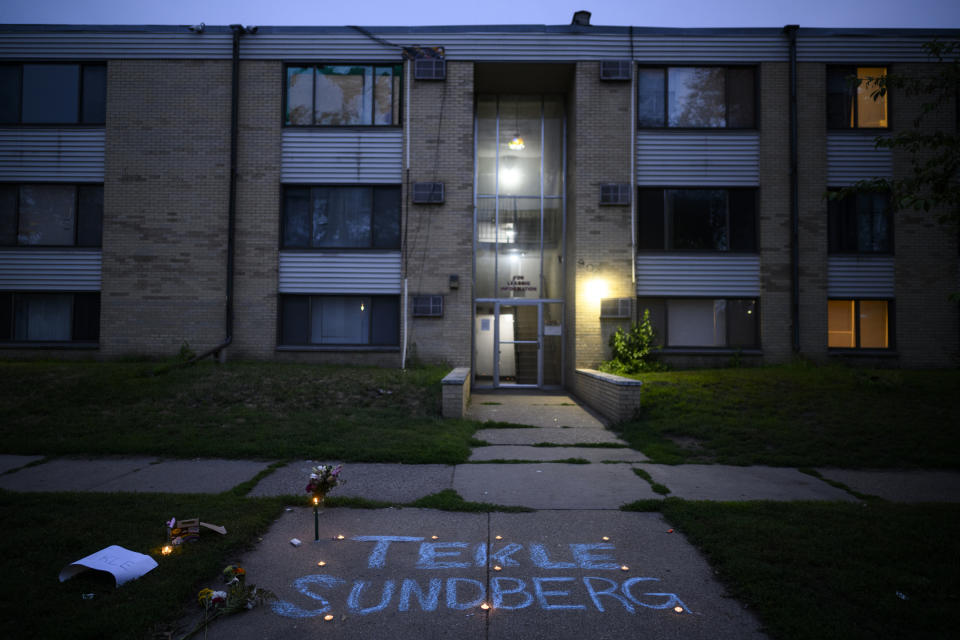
(516, 144)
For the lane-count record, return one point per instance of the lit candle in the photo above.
(167, 550)
(316, 500)
(624, 568)
(678, 609)
(606, 538)
(340, 536)
(497, 568)
(484, 606)
(434, 537)
(321, 564)
(499, 537)
(328, 617)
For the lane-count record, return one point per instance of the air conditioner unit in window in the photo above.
(615, 308)
(428, 306)
(428, 68)
(615, 193)
(428, 193)
(615, 70)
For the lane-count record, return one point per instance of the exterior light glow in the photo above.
(596, 290)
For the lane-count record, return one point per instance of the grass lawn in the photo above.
(44, 532)
(800, 415)
(237, 410)
(816, 570)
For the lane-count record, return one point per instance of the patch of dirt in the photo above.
(686, 442)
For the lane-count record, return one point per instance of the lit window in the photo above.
(343, 95)
(730, 323)
(339, 320)
(860, 224)
(697, 220)
(696, 97)
(49, 317)
(850, 101)
(858, 324)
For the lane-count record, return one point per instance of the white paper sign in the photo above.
(123, 564)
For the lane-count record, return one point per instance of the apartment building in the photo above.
(500, 198)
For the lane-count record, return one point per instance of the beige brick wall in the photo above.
(439, 238)
(812, 154)
(258, 210)
(616, 399)
(165, 206)
(926, 263)
(774, 213)
(598, 237)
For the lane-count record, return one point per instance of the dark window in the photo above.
(49, 317)
(341, 217)
(850, 101)
(697, 220)
(859, 324)
(343, 95)
(51, 215)
(696, 97)
(729, 323)
(42, 93)
(339, 320)
(860, 224)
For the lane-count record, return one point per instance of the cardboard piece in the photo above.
(188, 529)
(124, 565)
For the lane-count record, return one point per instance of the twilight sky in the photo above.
(659, 13)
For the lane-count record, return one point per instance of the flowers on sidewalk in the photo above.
(238, 597)
(323, 479)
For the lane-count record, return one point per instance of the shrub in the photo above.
(633, 350)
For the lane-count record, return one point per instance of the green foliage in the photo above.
(934, 178)
(633, 350)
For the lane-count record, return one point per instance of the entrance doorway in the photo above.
(518, 344)
(519, 230)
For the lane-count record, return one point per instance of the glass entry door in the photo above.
(518, 345)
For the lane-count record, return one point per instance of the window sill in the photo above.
(50, 345)
(341, 348)
(870, 353)
(343, 127)
(707, 351)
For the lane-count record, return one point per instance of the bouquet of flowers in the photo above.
(323, 479)
(237, 597)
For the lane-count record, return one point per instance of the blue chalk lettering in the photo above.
(538, 553)
(582, 553)
(497, 592)
(428, 602)
(378, 557)
(430, 551)
(503, 558)
(353, 602)
(290, 610)
(671, 598)
(610, 591)
(453, 602)
(542, 595)
(480, 555)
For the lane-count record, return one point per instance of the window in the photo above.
(703, 322)
(46, 93)
(428, 306)
(341, 217)
(339, 320)
(858, 324)
(860, 224)
(850, 104)
(51, 215)
(343, 95)
(49, 317)
(697, 220)
(696, 97)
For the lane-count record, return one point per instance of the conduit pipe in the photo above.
(791, 31)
